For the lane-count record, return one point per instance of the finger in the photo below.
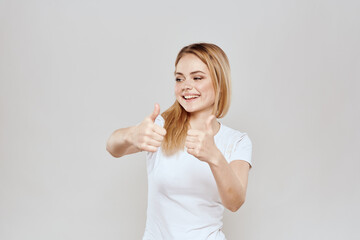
(155, 113)
(157, 137)
(191, 139)
(153, 142)
(159, 130)
(191, 151)
(149, 148)
(190, 145)
(193, 132)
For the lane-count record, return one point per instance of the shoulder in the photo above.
(239, 145)
(233, 134)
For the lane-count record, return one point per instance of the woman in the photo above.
(196, 166)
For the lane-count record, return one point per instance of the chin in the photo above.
(190, 109)
(187, 109)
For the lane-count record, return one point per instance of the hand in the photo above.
(147, 136)
(201, 144)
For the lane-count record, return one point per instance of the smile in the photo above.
(190, 97)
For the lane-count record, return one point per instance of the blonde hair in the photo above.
(176, 118)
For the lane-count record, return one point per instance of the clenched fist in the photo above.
(201, 144)
(147, 136)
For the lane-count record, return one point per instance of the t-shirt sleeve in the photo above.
(241, 148)
(159, 120)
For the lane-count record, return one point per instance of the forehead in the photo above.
(190, 63)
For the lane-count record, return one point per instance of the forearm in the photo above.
(231, 190)
(119, 143)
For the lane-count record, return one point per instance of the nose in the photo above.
(186, 85)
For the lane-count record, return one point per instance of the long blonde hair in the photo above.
(176, 118)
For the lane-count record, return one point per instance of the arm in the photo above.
(231, 180)
(146, 136)
(120, 144)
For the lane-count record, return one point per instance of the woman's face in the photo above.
(194, 89)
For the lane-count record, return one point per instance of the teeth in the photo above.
(188, 97)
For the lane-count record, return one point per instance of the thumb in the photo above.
(155, 113)
(209, 122)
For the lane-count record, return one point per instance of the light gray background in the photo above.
(74, 71)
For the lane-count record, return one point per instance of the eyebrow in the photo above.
(190, 73)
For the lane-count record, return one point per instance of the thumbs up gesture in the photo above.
(201, 144)
(147, 135)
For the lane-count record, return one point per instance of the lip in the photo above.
(191, 94)
(191, 99)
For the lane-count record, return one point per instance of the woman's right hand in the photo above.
(147, 136)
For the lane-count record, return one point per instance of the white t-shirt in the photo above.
(183, 199)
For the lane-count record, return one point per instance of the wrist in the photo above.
(216, 158)
(130, 136)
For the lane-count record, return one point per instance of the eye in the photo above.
(197, 78)
(178, 79)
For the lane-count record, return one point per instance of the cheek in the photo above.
(208, 89)
(177, 90)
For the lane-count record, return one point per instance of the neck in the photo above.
(197, 121)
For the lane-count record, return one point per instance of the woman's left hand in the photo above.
(201, 144)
